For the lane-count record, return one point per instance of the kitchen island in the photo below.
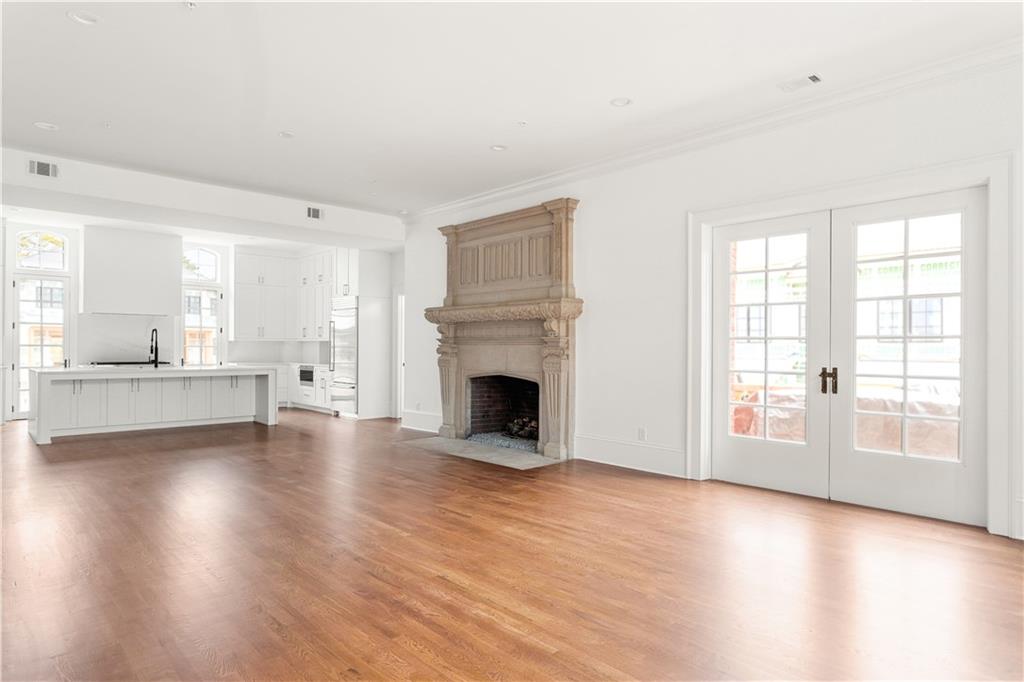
(75, 401)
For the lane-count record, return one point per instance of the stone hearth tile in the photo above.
(506, 457)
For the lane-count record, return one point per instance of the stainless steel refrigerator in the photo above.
(344, 355)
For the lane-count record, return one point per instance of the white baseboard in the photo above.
(421, 421)
(650, 457)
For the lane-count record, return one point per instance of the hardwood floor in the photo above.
(324, 549)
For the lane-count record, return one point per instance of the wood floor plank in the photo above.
(326, 549)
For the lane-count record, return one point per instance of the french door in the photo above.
(40, 336)
(848, 362)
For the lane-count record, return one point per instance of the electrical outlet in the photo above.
(641, 434)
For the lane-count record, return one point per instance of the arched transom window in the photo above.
(199, 265)
(41, 250)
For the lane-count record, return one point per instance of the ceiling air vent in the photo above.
(314, 213)
(801, 82)
(44, 168)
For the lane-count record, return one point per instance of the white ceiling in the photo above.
(395, 106)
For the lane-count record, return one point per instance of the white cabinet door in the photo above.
(306, 271)
(248, 268)
(282, 385)
(324, 267)
(341, 272)
(61, 404)
(320, 303)
(248, 311)
(306, 321)
(174, 399)
(198, 400)
(147, 401)
(277, 272)
(275, 313)
(321, 387)
(294, 392)
(120, 402)
(91, 403)
(222, 397)
(245, 396)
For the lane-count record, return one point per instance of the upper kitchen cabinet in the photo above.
(272, 271)
(262, 301)
(130, 272)
(317, 269)
(346, 272)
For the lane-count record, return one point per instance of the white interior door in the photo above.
(908, 314)
(849, 357)
(771, 294)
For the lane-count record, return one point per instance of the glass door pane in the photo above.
(40, 332)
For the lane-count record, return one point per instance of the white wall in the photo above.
(130, 272)
(630, 253)
(106, 338)
(375, 341)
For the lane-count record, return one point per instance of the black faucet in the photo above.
(154, 347)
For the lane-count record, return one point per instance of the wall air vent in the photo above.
(802, 82)
(44, 168)
(314, 213)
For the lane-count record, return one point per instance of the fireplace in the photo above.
(504, 411)
(508, 327)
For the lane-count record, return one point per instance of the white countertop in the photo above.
(135, 372)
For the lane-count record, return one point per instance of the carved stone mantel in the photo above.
(510, 308)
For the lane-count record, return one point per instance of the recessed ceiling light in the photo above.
(43, 125)
(286, 134)
(83, 18)
(498, 147)
(621, 102)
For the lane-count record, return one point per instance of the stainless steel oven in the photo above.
(306, 375)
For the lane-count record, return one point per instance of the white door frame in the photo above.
(1005, 347)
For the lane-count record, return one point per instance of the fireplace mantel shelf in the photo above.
(535, 309)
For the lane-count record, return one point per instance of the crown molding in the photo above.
(993, 58)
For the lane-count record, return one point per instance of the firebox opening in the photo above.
(504, 411)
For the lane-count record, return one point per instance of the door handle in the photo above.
(825, 375)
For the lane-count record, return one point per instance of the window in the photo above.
(890, 318)
(199, 265)
(926, 316)
(202, 326)
(41, 250)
